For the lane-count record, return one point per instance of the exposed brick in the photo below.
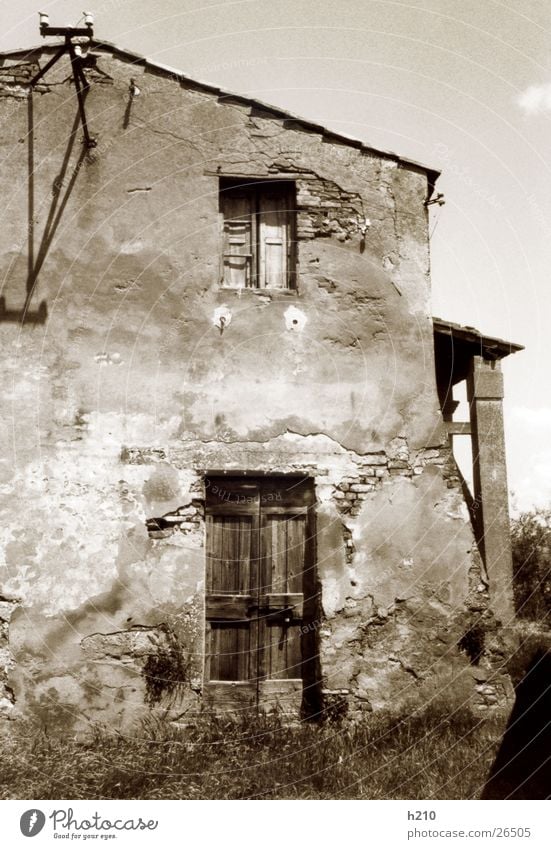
(378, 459)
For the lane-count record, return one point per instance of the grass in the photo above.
(435, 753)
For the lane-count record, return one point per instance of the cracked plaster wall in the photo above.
(114, 406)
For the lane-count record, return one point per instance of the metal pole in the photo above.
(90, 142)
(48, 65)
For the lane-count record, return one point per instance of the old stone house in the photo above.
(227, 476)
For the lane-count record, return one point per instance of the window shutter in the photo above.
(239, 239)
(274, 242)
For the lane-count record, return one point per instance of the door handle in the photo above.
(283, 616)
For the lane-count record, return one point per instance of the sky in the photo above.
(461, 85)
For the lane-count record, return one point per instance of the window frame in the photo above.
(256, 189)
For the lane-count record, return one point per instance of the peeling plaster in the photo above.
(130, 397)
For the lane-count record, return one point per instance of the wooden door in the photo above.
(260, 593)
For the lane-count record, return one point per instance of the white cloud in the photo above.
(532, 418)
(535, 99)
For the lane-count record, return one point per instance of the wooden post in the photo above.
(485, 395)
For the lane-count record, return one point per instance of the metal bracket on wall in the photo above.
(78, 62)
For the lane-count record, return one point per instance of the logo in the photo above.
(32, 822)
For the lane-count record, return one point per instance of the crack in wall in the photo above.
(332, 197)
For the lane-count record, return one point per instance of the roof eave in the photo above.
(136, 58)
(492, 346)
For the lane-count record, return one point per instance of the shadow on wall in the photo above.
(522, 768)
(62, 187)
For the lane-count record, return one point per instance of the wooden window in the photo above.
(260, 593)
(259, 234)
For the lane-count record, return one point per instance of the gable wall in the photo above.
(118, 403)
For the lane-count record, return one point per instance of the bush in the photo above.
(531, 542)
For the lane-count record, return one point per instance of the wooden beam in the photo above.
(485, 394)
(458, 428)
